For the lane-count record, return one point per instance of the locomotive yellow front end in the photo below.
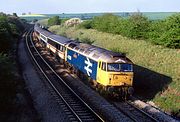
(120, 77)
(116, 76)
(120, 74)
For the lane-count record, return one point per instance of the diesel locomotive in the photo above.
(106, 70)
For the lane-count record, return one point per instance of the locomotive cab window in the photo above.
(116, 67)
(103, 66)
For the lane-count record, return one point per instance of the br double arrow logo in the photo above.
(87, 67)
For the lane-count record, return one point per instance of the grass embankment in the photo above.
(157, 74)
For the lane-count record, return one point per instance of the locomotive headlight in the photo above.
(115, 77)
(130, 90)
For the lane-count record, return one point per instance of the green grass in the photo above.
(157, 69)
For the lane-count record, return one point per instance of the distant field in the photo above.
(157, 15)
(150, 15)
(157, 74)
(31, 17)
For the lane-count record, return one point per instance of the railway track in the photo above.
(133, 112)
(75, 108)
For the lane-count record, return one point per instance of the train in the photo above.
(107, 71)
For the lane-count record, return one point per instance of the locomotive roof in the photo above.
(97, 53)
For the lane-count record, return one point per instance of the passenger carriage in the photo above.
(56, 44)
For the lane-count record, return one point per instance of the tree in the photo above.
(171, 35)
(54, 21)
(138, 26)
(14, 14)
(5, 34)
(106, 23)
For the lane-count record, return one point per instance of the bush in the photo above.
(10, 27)
(166, 32)
(135, 27)
(138, 26)
(54, 21)
(162, 32)
(86, 40)
(86, 24)
(171, 36)
(5, 34)
(106, 23)
(64, 20)
(155, 31)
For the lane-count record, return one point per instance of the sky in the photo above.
(87, 6)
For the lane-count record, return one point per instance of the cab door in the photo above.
(102, 73)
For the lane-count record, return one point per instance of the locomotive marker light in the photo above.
(87, 68)
(120, 60)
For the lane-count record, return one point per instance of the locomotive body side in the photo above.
(83, 63)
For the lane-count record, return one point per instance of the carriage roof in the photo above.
(60, 39)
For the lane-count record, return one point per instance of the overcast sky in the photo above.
(87, 6)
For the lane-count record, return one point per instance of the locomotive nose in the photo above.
(121, 79)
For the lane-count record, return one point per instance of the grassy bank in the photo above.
(157, 74)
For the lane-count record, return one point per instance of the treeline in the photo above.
(11, 28)
(161, 32)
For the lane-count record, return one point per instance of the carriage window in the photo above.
(103, 66)
(52, 43)
(57, 46)
(60, 48)
(63, 49)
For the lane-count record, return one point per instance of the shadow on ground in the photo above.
(148, 83)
